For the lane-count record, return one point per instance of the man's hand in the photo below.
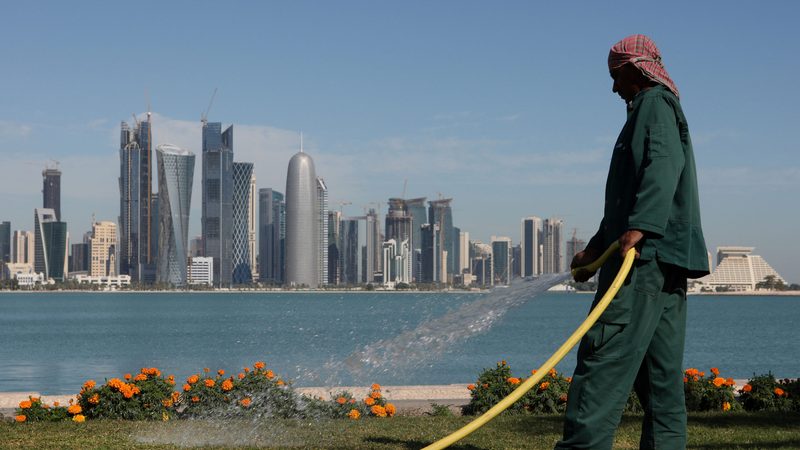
(630, 239)
(581, 259)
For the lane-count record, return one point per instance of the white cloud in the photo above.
(14, 129)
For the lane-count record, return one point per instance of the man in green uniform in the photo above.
(651, 204)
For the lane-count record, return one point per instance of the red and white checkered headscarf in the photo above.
(642, 52)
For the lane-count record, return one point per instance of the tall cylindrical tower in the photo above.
(302, 240)
(175, 176)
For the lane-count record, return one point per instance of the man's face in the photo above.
(626, 81)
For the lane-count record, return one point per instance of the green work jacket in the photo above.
(652, 185)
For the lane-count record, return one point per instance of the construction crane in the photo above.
(342, 205)
(204, 116)
(405, 185)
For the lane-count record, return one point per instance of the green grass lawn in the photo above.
(706, 431)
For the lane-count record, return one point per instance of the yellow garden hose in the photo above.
(557, 356)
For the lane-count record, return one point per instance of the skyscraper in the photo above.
(334, 247)
(399, 222)
(23, 247)
(349, 251)
(464, 253)
(252, 227)
(415, 207)
(322, 216)
(136, 200)
(5, 242)
(50, 244)
(102, 249)
(530, 264)
(441, 214)
(574, 246)
(175, 175)
(217, 216)
(240, 238)
(501, 261)
(272, 235)
(552, 258)
(302, 222)
(373, 255)
(51, 190)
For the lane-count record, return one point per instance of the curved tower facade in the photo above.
(175, 173)
(302, 222)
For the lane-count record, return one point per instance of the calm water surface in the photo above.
(53, 342)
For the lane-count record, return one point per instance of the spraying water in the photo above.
(434, 336)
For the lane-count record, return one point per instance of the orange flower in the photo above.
(206, 369)
(719, 381)
(241, 376)
(726, 406)
(175, 397)
(354, 414)
(167, 402)
(25, 404)
(503, 363)
(779, 392)
(280, 382)
(245, 402)
(512, 380)
(715, 371)
(128, 377)
(485, 385)
(701, 374)
(90, 384)
(115, 383)
(729, 382)
(74, 409)
(471, 387)
(187, 387)
(221, 372)
(569, 379)
(193, 379)
(79, 418)
(195, 399)
(376, 387)
(20, 418)
(270, 374)
(259, 365)
(352, 400)
(563, 398)
(56, 404)
(533, 372)
(209, 382)
(227, 385)
(341, 400)
(553, 373)
(544, 386)
(375, 394)
(140, 377)
(747, 388)
(378, 410)
(685, 380)
(691, 372)
(391, 410)
(369, 401)
(246, 370)
(95, 399)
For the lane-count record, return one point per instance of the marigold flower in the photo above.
(128, 377)
(701, 374)
(376, 387)
(167, 402)
(747, 388)
(553, 373)
(369, 401)
(352, 400)
(513, 380)
(209, 382)
(140, 377)
(241, 376)
(20, 418)
(503, 362)
(729, 382)
(715, 371)
(74, 409)
(354, 414)
(193, 379)
(56, 404)
(221, 372)
(175, 397)
(341, 400)
(25, 404)
(95, 399)
(88, 385)
(779, 392)
(391, 410)
(259, 365)
(195, 399)
(563, 398)
(691, 372)
(245, 402)
(544, 386)
(246, 370)
(533, 372)
(726, 406)
(569, 379)
(270, 374)
(471, 387)
(206, 369)
(378, 411)
(375, 394)
(80, 418)
(719, 381)
(280, 382)
(115, 383)
(227, 385)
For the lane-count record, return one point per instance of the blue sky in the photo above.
(504, 106)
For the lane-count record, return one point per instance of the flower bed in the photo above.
(149, 395)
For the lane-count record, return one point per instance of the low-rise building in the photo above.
(737, 270)
(201, 270)
(111, 281)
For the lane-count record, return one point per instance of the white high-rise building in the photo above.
(551, 238)
(103, 250)
(463, 254)
(322, 204)
(23, 247)
(302, 223)
(252, 228)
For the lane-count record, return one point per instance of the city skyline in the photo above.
(531, 136)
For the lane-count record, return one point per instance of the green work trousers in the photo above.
(637, 343)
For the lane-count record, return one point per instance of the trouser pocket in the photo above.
(605, 340)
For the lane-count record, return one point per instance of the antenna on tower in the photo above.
(204, 116)
(301, 142)
(147, 98)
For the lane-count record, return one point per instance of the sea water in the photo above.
(52, 342)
